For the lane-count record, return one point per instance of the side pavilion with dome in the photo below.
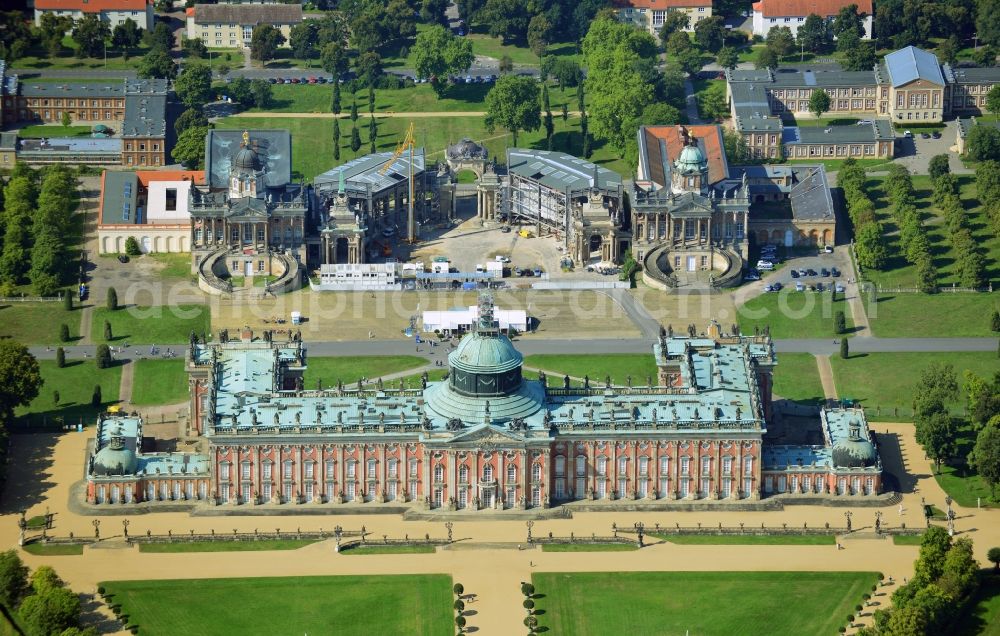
(487, 437)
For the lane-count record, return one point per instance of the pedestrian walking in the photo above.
(900, 510)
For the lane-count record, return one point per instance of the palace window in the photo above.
(245, 470)
(685, 465)
(286, 470)
(727, 465)
(602, 466)
(439, 473)
(511, 474)
(393, 468)
(267, 469)
(622, 465)
(706, 465)
(747, 465)
(413, 468)
(310, 469)
(224, 474)
(352, 468)
(536, 472)
(581, 464)
(488, 473)
(664, 465)
(329, 469)
(644, 466)
(463, 474)
(370, 469)
(560, 466)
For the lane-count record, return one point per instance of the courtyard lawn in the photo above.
(38, 323)
(913, 315)
(898, 272)
(159, 382)
(389, 549)
(981, 616)
(172, 266)
(883, 382)
(749, 539)
(226, 546)
(709, 90)
(589, 547)
(312, 138)
(793, 314)
(54, 131)
(961, 481)
(343, 605)
(679, 602)
(598, 367)
(54, 549)
(433, 375)
(75, 383)
(162, 324)
(38, 58)
(907, 539)
(350, 369)
(796, 378)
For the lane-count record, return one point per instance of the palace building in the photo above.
(487, 437)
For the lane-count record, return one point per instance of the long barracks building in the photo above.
(488, 438)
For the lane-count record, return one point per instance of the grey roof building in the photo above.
(911, 64)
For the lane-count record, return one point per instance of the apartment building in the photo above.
(114, 12)
(768, 14)
(232, 25)
(649, 14)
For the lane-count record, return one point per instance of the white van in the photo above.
(765, 266)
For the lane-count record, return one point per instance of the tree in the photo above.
(334, 59)
(995, 321)
(936, 433)
(262, 94)
(710, 33)
(157, 63)
(871, 250)
(264, 42)
(336, 139)
(354, 110)
(512, 103)
(368, 67)
(985, 456)
(355, 139)
(538, 35)
(60, 352)
(194, 85)
(673, 22)
(861, 57)
(983, 144)
(839, 323)
(190, 147)
(960, 572)
(190, 117)
(766, 58)
(112, 299)
(107, 331)
(67, 301)
(506, 64)
(993, 556)
(727, 58)
(52, 29)
(458, 589)
(780, 40)
(819, 102)
(690, 61)
(103, 355)
(993, 100)
(507, 19)
(335, 99)
(194, 48)
(814, 33)
(89, 33)
(938, 166)
(127, 35)
(844, 349)
(20, 379)
(847, 20)
(372, 134)
(160, 37)
(988, 22)
(438, 53)
(527, 589)
(566, 72)
(50, 612)
(303, 38)
(13, 579)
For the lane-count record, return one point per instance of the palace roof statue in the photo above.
(467, 149)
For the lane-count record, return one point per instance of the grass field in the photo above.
(38, 323)
(750, 539)
(689, 602)
(932, 315)
(793, 314)
(982, 615)
(38, 58)
(796, 378)
(75, 383)
(433, 375)
(708, 89)
(907, 539)
(962, 482)
(54, 131)
(174, 266)
(389, 549)
(151, 325)
(898, 272)
(226, 546)
(159, 382)
(598, 367)
(53, 549)
(886, 380)
(589, 547)
(343, 605)
(349, 369)
(312, 138)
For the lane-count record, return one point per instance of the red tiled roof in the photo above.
(147, 176)
(92, 6)
(710, 138)
(822, 8)
(662, 4)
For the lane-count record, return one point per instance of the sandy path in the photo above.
(826, 377)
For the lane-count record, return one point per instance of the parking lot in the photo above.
(817, 263)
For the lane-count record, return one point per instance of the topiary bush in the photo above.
(459, 589)
(528, 604)
(527, 589)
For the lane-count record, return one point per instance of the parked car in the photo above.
(828, 249)
(273, 80)
(122, 258)
(824, 272)
(312, 80)
(538, 271)
(924, 136)
(517, 271)
(765, 266)
(803, 273)
(839, 287)
(794, 273)
(800, 287)
(936, 135)
(835, 272)
(777, 286)
(819, 287)
(811, 272)
(908, 134)
(505, 229)
(769, 288)
(751, 275)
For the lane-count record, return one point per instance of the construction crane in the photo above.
(406, 144)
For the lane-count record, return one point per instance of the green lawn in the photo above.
(349, 369)
(907, 539)
(343, 605)
(913, 315)
(38, 323)
(703, 89)
(312, 138)
(982, 615)
(226, 546)
(749, 539)
(54, 131)
(962, 482)
(598, 367)
(161, 324)
(175, 266)
(159, 382)
(389, 549)
(433, 375)
(898, 272)
(886, 380)
(793, 314)
(702, 603)
(38, 58)
(54, 549)
(589, 547)
(796, 378)
(75, 383)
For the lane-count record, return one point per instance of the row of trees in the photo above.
(42, 603)
(868, 242)
(983, 398)
(90, 34)
(914, 246)
(970, 264)
(37, 225)
(158, 61)
(20, 381)
(899, 23)
(988, 192)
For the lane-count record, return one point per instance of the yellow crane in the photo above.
(406, 144)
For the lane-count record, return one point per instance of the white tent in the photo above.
(461, 319)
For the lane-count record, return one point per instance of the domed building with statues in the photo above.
(486, 437)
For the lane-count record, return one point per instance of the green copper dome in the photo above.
(115, 459)
(691, 159)
(854, 451)
(485, 362)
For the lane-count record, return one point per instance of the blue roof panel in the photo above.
(911, 63)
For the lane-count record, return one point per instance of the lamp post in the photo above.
(639, 527)
(448, 526)
(97, 528)
(529, 523)
(125, 523)
(848, 515)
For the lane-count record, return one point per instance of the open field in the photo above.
(353, 315)
(54, 549)
(898, 272)
(792, 314)
(159, 382)
(679, 602)
(750, 539)
(38, 323)
(350, 369)
(796, 378)
(348, 605)
(598, 367)
(75, 383)
(226, 546)
(38, 58)
(151, 325)
(886, 380)
(911, 315)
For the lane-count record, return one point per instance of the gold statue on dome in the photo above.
(246, 137)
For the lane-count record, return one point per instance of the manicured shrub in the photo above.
(60, 357)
